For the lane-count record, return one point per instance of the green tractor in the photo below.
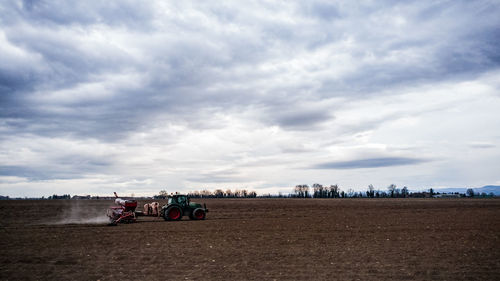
(178, 205)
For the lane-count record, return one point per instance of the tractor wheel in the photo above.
(198, 214)
(173, 213)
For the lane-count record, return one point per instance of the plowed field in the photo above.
(255, 239)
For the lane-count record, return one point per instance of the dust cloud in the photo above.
(81, 213)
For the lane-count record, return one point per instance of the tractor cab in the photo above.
(182, 200)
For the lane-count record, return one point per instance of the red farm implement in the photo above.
(124, 211)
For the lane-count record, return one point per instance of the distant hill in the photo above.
(486, 189)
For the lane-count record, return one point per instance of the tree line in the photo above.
(218, 193)
(334, 191)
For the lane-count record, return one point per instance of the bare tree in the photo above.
(319, 191)
(297, 190)
(205, 193)
(334, 191)
(470, 192)
(163, 194)
(371, 191)
(219, 193)
(306, 191)
(391, 188)
(302, 191)
(404, 192)
(397, 192)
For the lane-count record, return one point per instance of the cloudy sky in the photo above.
(139, 96)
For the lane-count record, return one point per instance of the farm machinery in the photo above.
(180, 205)
(177, 206)
(124, 211)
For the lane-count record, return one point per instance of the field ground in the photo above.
(254, 239)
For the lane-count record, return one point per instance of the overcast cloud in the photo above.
(138, 96)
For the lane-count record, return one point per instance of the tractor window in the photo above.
(169, 200)
(181, 200)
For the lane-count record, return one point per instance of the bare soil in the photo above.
(255, 239)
